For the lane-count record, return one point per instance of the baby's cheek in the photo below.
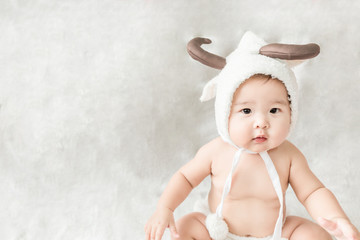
(239, 134)
(282, 132)
(235, 126)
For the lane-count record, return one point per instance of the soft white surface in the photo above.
(99, 105)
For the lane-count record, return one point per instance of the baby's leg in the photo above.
(296, 228)
(192, 226)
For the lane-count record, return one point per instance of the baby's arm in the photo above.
(319, 201)
(179, 187)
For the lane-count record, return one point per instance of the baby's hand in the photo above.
(341, 228)
(163, 218)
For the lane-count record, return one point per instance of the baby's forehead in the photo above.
(262, 85)
(260, 80)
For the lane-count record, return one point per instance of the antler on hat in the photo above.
(196, 52)
(273, 50)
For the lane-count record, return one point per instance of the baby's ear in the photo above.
(209, 90)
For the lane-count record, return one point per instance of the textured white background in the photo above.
(99, 105)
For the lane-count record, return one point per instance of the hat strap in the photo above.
(277, 185)
(228, 182)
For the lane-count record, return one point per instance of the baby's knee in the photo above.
(192, 226)
(316, 232)
(310, 231)
(191, 219)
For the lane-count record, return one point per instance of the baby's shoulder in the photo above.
(289, 149)
(287, 146)
(213, 148)
(216, 142)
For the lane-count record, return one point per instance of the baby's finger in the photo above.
(173, 230)
(146, 227)
(327, 224)
(153, 232)
(159, 232)
(349, 232)
(331, 227)
(147, 233)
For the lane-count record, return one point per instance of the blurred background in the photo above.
(99, 105)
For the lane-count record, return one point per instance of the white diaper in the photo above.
(202, 206)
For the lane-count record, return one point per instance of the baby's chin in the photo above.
(261, 147)
(258, 149)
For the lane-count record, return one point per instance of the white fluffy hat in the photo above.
(252, 56)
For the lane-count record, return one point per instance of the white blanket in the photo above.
(99, 106)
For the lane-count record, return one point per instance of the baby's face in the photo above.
(260, 114)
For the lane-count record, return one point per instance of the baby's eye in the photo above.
(246, 111)
(274, 110)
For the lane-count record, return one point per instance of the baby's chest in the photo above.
(251, 183)
(250, 180)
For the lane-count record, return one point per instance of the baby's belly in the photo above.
(250, 216)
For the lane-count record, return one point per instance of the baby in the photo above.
(251, 164)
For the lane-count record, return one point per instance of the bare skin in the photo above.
(258, 122)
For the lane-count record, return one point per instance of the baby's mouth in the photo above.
(260, 139)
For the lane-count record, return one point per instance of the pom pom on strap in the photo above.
(217, 227)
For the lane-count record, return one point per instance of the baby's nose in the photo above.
(261, 122)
